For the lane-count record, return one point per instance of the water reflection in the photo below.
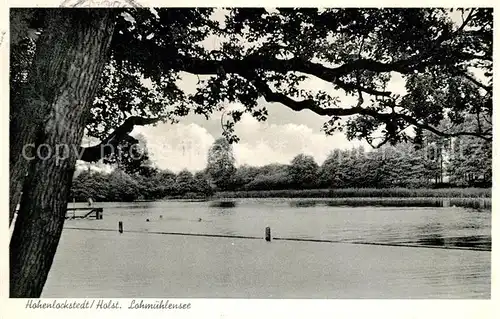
(223, 203)
(471, 241)
(428, 226)
(476, 203)
(432, 240)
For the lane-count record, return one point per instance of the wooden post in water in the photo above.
(120, 227)
(268, 233)
(74, 208)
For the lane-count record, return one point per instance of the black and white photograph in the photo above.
(273, 153)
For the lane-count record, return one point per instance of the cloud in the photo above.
(177, 147)
(263, 143)
(94, 167)
(284, 135)
(185, 146)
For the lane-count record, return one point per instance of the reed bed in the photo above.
(362, 192)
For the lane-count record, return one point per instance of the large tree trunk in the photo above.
(70, 58)
(21, 132)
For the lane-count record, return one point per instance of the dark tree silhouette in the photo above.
(106, 70)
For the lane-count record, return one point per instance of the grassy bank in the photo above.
(362, 192)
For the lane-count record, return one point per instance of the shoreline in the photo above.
(341, 193)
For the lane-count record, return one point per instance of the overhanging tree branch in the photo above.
(109, 144)
(207, 66)
(488, 88)
(415, 122)
(387, 118)
(308, 104)
(438, 54)
(255, 61)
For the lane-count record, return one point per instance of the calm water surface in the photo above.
(98, 263)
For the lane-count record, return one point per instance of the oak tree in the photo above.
(107, 70)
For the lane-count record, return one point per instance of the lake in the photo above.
(375, 252)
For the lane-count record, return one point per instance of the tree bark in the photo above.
(70, 58)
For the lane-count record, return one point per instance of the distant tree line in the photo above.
(120, 186)
(436, 163)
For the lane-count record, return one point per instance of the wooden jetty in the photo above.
(89, 213)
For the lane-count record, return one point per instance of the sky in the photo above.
(284, 135)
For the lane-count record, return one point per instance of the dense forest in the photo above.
(461, 162)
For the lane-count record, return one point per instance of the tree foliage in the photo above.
(220, 163)
(303, 171)
(131, 155)
(470, 158)
(267, 55)
(119, 186)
